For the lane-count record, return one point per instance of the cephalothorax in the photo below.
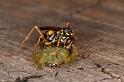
(54, 46)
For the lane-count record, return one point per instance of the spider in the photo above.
(54, 45)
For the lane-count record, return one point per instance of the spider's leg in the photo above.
(69, 46)
(59, 40)
(38, 41)
(29, 34)
(67, 24)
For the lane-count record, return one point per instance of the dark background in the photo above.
(98, 24)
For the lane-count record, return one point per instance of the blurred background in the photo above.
(99, 27)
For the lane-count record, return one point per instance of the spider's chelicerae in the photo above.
(54, 46)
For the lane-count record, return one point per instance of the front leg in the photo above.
(38, 42)
(69, 46)
(27, 37)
